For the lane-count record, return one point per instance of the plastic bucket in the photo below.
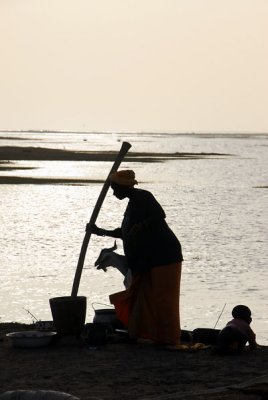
(69, 314)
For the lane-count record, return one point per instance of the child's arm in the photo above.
(252, 340)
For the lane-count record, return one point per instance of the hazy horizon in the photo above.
(146, 66)
(245, 133)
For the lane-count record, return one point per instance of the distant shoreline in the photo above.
(10, 154)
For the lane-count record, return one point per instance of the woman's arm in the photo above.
(115, 233)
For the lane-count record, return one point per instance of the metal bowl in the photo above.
(30, 338)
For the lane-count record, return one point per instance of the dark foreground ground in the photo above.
(122, 370)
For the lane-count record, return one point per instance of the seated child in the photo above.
(233, 337)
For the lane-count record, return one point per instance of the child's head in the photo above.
(242, 312)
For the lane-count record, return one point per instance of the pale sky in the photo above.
(143, 65)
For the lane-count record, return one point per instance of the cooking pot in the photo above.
(107, 316)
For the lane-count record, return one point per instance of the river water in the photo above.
(217, 206)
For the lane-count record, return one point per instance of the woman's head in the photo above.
(125, 177)
(242, 312)
(122, 183)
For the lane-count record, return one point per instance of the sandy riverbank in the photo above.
(122, 370)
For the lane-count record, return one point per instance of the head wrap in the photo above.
(124, 177)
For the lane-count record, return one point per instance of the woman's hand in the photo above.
(94, 229)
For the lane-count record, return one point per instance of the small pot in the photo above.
(107, 316)
(96, 334)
